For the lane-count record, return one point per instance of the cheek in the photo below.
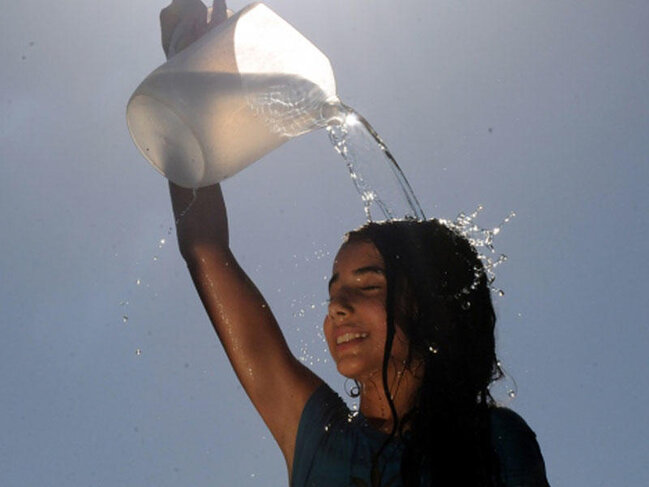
(327, 328)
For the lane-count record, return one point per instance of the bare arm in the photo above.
(276, 382)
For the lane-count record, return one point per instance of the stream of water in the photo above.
(382, 185)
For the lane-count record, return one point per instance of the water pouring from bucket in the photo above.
(243, 89)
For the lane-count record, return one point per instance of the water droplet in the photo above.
(155, 258)
(124, 319)
(138, 282)
(465, 305)
(512, 394)
(138, 352)
(501, 293)
(299, 314)
(433, 349)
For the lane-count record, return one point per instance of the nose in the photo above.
(340, 307)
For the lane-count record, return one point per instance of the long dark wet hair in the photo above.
(438, 293)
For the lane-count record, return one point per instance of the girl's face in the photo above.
(355, 325)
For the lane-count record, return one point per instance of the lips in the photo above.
(348, 337)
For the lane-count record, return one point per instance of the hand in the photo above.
(185, 21)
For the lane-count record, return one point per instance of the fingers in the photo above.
(169, 18)
(219, 12)
(184, 21)
(181, 24)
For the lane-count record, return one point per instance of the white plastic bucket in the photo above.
(244, 88)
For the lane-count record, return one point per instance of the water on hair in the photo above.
(482, 239)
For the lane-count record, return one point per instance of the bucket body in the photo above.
(243, 89)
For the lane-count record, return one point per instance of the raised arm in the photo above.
(276, 382)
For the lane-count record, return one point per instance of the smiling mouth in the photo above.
(348, 337)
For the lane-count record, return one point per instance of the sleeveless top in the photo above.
(334, 448)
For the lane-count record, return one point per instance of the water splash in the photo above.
(505, 389)
(482, 239)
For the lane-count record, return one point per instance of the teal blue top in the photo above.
(334, 448)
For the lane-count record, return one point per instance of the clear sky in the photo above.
(541, 108)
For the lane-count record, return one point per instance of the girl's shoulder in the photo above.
(518, 451)
(508, 420)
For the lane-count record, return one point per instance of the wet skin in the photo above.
(355, 326)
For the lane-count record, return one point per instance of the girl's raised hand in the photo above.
(185, 21)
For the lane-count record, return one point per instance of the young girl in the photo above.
(410, 320)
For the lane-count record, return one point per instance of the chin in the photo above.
(348, 368)
(354, 368)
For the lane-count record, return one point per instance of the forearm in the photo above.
(201, 220)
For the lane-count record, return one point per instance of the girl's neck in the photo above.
(404, 382)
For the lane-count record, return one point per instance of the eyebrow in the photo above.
(373, 269)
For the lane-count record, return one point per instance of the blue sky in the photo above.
(541, 108)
